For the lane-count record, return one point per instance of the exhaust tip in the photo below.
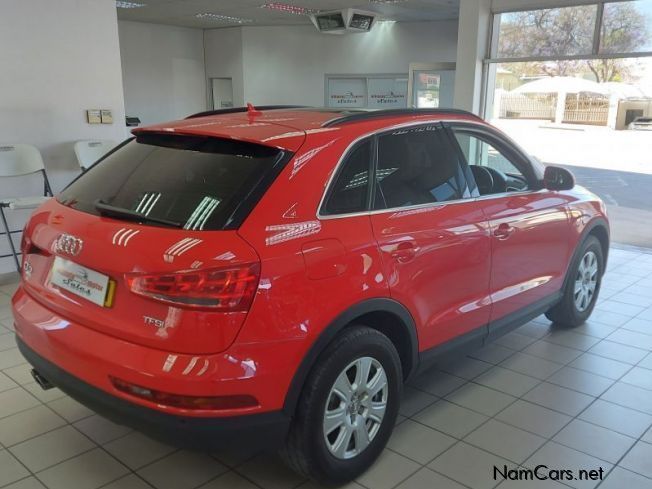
(42, 381)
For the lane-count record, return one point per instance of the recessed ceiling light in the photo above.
(223, 18)
(289, 9)
(387, 1)
(121, 4)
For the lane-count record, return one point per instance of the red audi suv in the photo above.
(274, 275)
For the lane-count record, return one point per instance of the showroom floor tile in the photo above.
(572, 399)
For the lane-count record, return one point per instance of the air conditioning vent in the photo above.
(344, 21)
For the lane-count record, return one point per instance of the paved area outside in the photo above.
(628, 197)
(582, 145)
(569, 399)
(616, 165)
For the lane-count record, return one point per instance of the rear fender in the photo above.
(405, 323)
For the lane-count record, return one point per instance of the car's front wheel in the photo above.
(348, 408)
(582, 287)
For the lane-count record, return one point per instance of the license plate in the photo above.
(81, 281)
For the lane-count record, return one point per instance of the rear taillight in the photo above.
(185, 402)
(220, 289)
(26, 247)
(25, 244)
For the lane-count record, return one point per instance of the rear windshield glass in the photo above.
(193, 183)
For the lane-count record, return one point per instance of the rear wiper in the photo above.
(109, 210)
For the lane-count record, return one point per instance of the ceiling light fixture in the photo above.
(387, 1)
(289, 9)
(223, 18)
(121, 4)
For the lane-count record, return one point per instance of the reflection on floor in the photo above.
(579, 399)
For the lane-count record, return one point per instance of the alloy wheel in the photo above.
(355, 408)
(586, 281)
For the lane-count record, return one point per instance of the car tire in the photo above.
(582, 288)
(331, 458)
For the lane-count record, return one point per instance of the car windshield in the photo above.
(179, 181)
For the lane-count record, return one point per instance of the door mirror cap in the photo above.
(557, 178)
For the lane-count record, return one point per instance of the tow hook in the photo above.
(42, 381)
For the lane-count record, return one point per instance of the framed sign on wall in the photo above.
(366, 91)
(387, 93)
(347, 92)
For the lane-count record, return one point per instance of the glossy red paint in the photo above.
(453, 266)
(530, 248)
(430, 250)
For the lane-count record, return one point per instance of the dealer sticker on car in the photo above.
(79, 280)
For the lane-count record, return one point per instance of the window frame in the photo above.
(371, 190)
(508, 149)
(339, 170)
(439, 125)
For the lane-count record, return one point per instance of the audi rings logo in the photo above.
(68, 244)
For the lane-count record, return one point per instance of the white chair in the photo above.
(88, 152)
(17, 160)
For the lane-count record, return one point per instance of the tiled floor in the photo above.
(570, 399)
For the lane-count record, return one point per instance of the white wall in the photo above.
(472, 48)
(223, 53)
(162, 71)
(57, 58)
(287, 65)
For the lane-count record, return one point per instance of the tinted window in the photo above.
(418, 166)
(349, 193)
(195, 182)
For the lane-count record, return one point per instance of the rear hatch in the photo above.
(144, 246)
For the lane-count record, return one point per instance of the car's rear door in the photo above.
(432, 234)
(529, 227)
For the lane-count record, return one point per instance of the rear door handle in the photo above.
(504, 231)
(404, 252)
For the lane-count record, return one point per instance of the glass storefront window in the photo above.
(547, 32)
(626, 27)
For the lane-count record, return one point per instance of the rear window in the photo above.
(195, 183)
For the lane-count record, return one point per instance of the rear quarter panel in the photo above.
(312, 270)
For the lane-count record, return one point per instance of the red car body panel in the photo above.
(443, 263)
(433, 249)
(530, 248)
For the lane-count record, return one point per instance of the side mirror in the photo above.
(557, 178)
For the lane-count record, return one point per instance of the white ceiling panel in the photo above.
(183, 12)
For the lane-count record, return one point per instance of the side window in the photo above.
(418, 166)
(492, 170)
(349, 192)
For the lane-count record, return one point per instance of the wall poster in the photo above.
(367, 91)
(387, 93)
(347, 92)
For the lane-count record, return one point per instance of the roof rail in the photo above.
(236, 110)
(374, 114)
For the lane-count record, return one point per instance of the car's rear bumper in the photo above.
(83, 361)
(265, 430)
